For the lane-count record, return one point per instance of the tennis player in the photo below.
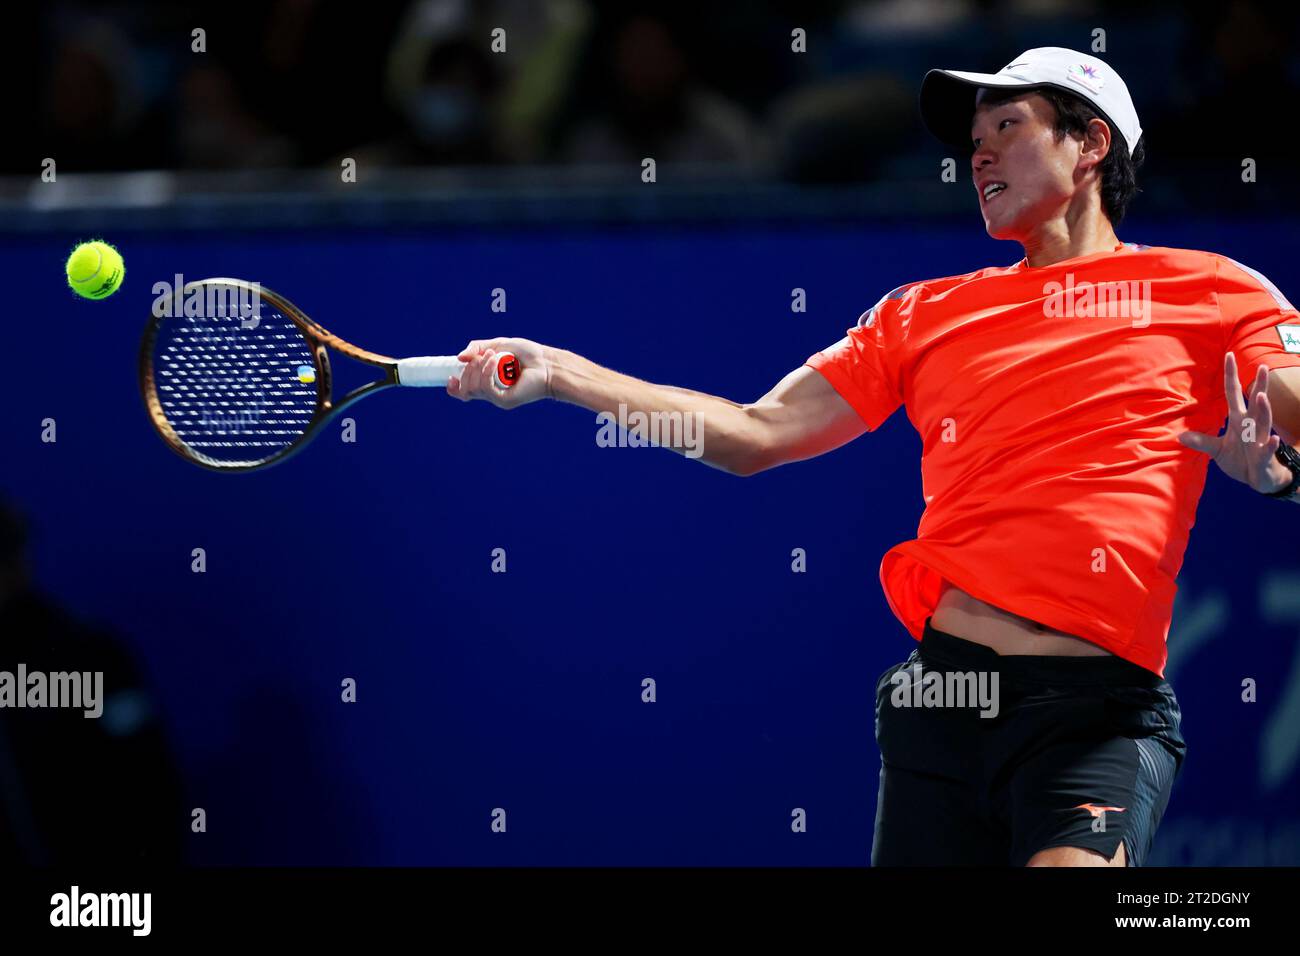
(1068, 407)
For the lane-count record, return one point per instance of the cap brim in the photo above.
(948, 102)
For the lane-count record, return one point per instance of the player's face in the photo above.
(1016, 149)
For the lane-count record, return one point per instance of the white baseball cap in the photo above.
(948, 96)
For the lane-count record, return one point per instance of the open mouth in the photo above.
(992, 190)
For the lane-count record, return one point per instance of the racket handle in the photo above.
(430, 370)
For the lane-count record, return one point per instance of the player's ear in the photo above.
(1096, 142)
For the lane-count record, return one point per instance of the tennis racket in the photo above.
(235, 377)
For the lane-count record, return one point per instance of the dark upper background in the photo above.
(299, 83)
(372, 560)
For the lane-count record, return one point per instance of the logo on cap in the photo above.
(1086, 75)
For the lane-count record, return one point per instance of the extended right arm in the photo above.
(801, 417)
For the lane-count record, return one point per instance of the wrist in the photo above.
(1284, 469)
(548, 363)
(554, 360)
(557, 365)
(1279, 476)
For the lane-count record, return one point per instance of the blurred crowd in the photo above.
(295, 83)
(77, 791)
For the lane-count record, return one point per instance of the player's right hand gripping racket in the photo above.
(235, 377)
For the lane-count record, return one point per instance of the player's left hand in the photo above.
(1251, 462)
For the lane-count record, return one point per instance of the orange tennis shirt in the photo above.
(1049, 401)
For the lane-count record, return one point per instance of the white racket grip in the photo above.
(429, 370)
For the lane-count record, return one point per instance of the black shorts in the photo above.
(1075, 751)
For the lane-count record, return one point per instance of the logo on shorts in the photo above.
(1098, 824)
(1290, 335)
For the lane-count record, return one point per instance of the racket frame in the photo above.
(319, 340)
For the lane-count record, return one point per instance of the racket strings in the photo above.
(228, 390)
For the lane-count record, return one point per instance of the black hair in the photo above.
(1073, 113)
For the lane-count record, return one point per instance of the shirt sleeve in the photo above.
(863, 367)
(1260, 325)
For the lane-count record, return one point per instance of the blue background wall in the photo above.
(522, 690)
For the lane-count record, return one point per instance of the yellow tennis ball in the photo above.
(95, 270)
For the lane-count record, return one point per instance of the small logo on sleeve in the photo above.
(1290, 335)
